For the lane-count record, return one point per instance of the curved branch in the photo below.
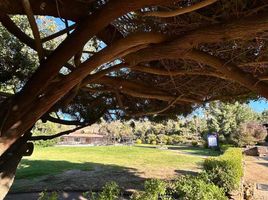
(245, 28)
(64, 122)
(180, 11)
(231, 71)
(50, 137)
(162, 72)
(137, 89)
(27, 7)
(158, 111)
(12, 28)
(59, 33)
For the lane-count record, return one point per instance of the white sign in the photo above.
(212, 141)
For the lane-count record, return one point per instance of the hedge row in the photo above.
(225, 171)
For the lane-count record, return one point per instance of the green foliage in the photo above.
(48, 196)
(17, 60)
(110, 191)
(153, 142)
(151, 139)
(194, 144)
(47, 128)
(176, 139)
(154, 189)
(138, 141)
(117, 130)
(226, 118)
(225, 171)
(196, 188)
(264, 116)
(162, 139)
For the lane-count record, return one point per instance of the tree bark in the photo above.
(9, 162)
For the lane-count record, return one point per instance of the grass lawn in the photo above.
(119, 162)
(144, 158)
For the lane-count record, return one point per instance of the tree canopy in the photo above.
(128, 59)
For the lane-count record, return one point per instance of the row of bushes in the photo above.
(225, 171)
(220, 176)
(167, 139)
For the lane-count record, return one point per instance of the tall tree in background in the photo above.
(226, 118)
(158, 58)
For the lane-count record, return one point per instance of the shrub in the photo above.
(110, 191)
(196, 188)
(249, 134)
(150, 138)
(153, 142)
(138, 141)
(176, 139)
(48, 196)
(162, 139)
(226, 171)
(194, 144)
(154, 189)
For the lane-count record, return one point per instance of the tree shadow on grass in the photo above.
(40, 175)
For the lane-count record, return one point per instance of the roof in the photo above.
(75, 134)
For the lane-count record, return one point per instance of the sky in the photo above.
(259, 105)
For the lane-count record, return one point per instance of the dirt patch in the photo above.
(256, 175)
(78, 180)
(256, 169)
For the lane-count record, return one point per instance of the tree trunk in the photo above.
(9, 161)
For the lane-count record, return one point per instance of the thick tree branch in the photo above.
(180, 72)
(71, 45)
(180, 11)
(59, 89)
(50, 137)
(231, 71)
(59, 33)
(243, 29)
(137, 89)
(28, 10)
(12, 28)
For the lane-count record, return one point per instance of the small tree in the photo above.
(249, 134)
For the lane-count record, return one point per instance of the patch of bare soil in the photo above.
(256, 175)
(77, 180)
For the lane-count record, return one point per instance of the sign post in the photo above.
(212, 140)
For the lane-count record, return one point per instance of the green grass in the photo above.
(144, 159)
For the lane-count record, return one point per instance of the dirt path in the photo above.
(256, 172)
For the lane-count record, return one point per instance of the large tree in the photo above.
(154, 58)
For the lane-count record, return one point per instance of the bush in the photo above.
(196, 188)
(162, 139)
(150, 138)
(138, 141)
(249, 134)
(154, 189)
(176, 139)
(48, 196)
(110, 191)
(153, 142)
(194, 144)
(226, 171)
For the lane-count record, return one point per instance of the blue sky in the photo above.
(259, 105)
